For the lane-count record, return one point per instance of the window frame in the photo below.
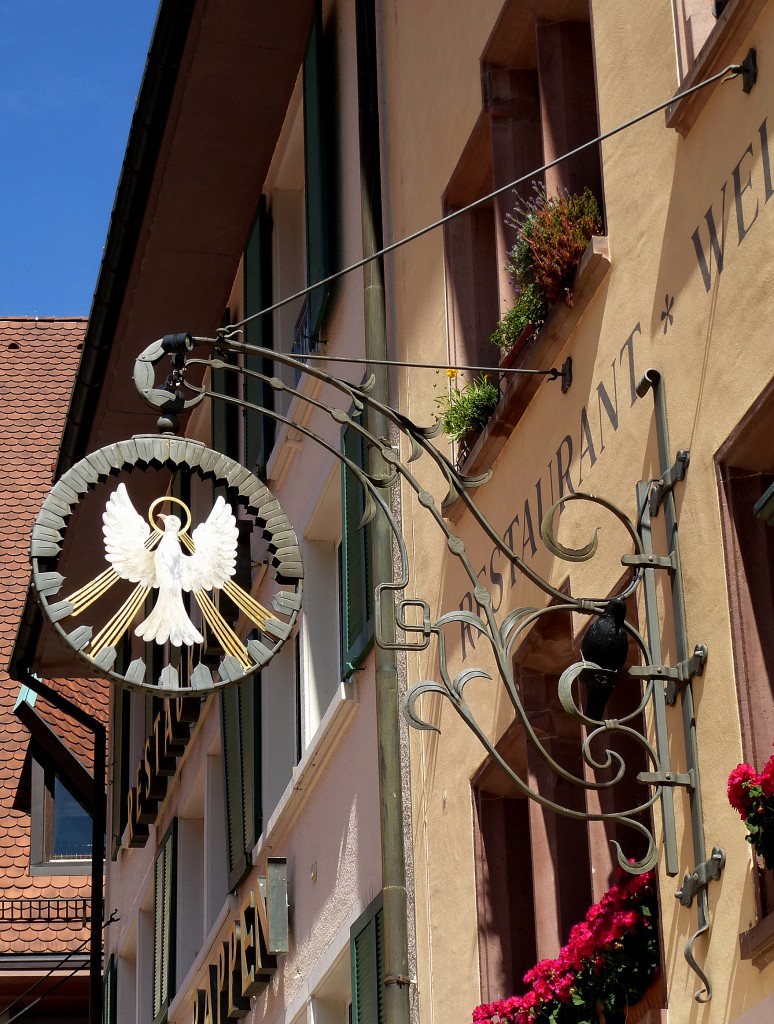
(718, 50)
(745, 456)
(42, 824)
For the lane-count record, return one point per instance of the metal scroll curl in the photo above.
(409, 625)
(386, 467)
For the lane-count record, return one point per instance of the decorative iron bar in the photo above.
(41, 908)
(416, 625)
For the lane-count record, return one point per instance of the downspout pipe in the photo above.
(395, 901)
(98, 824)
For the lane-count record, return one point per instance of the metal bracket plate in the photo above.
(651, 561)
(668, 479)
(667, 779)
(704, 873)
(677, 676)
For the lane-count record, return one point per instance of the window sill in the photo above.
(757, 944)
(540, 352)
(308, 770)
(81, 866)
(718, 52)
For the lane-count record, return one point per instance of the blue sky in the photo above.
(70, 71)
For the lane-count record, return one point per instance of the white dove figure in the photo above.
(167, 568)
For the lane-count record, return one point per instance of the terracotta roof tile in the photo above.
(38, 360)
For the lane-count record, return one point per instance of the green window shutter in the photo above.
(164, 906)
(367, 959)
(109, 992)
(259, 429)
(119, 781)
(316, 176)
(240, 723)
(357, 627)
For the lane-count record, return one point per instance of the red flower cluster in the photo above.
(598, 946)
(751, 793)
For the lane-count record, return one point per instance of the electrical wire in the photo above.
(48, 992)
(40, 981)
(727, 74)
(113, 917)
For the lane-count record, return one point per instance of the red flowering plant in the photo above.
(751, 793)
(609, 961)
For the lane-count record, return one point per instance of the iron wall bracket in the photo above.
(668, 479)
(678, 675)
(651, 561)
(704, 873)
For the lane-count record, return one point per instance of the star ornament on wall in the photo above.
(173, 573)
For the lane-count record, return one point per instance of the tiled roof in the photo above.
(39, 359)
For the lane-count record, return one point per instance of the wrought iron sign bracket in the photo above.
(395, 629)
(701, 876)
(668, 479)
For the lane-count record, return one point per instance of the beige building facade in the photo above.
(272, 147)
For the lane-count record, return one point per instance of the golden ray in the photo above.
(91, 591)
(112, 631)
(229, 641)
(97, 587)
(253, 609)
(245, 602)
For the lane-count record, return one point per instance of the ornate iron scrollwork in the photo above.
(414, 631)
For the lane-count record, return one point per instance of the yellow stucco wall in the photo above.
(715, 357)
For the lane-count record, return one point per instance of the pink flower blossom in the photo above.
(739, 782)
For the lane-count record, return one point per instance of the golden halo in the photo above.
(176, 501)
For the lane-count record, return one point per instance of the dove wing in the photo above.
(214, 559)
(125, 533)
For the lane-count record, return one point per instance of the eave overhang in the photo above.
(217, 83)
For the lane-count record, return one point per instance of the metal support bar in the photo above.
(671, 861)
(652, 380)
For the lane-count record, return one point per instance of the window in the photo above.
(109, 992)
(289, 247)
(539, 101)
(241, 732)
(164, 908)
(708, 34)
(60, 827)
(367, 957)
(527, 902)
(745, 467)
(694, 20)
(355, 597)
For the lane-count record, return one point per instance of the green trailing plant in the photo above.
(552, 235)
(467, 408)
(529, 308)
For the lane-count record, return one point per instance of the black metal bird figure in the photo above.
(606, 643)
